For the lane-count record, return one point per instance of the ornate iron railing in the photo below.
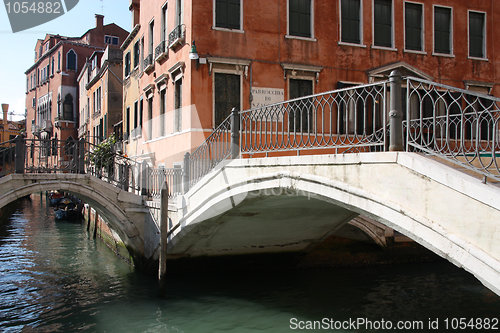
(160, 49)
(345, 119)
(177, 35)
(148, 61)
(7, 157)
(459, 125)
(216, 148)
(158, 177)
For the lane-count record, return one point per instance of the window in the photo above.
(111, 40)
(141, 109)
(151, 36)
(350, 12)
(94, 103)
(178, 106)
(68, 107)
(442, 30)
(71, 60)
(150, 118)
(136, 117)
(413, 26)
(477, 41)
(53, 61)
(136, 54)
(228, 14)
(164, 23)
(301, 117)
(98, 99)
(127, 64)
(382, 23)
(163, 102)
(300, 18)
(59, 61)
(227, 95)
(127, 123)
(179, 19)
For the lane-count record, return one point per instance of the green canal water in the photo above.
(55, 278)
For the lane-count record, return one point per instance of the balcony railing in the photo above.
(161, 51)
(177, 36)
(46, 125)
(148, 62)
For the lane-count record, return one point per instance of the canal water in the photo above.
(55, 278)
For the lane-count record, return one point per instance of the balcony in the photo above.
(177, 36)
(46, 126)
(149, 63)
(161, 52)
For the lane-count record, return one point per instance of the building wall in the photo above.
(265, 56)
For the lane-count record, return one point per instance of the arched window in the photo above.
(68, 107)
(71, 60)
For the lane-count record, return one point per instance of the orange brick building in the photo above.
(259, 52)
(52, 101)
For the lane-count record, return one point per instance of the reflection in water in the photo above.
(54, 278)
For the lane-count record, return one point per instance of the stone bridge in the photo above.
(123, 211)
(279, 204)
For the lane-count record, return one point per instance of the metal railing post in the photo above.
(186, 173)
(395, 113)
(144, 178)
(20, 154)
(81, 156)
(162, 269)
(235, 133)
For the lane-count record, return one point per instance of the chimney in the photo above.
(5, 108)
(99, 21)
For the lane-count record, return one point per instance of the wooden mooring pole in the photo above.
(162, 265)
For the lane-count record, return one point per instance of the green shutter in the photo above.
(413, 26)
(350, 11)
(476, 35)
(299, 18)
(383, 23)
(442, 30)
(227, 95)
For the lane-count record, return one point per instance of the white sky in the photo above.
(17, 49)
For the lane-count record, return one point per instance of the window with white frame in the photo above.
(300, 20)
(414, 26)
(477, 34)
(442, 30)
(137, 54)
(164, 22)
(178, 106)
(382, 23)
(350, 21)
(111, 40)
(228, 14)
(127, 64)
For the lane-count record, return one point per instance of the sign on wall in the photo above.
(266, 96)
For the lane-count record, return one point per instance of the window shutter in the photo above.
(227, 95)
(476, 34)
(299, 16)
(413, 26)
(233, 15)
(442, 26)
(350, 11)
(383, 23)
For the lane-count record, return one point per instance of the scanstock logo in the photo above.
(28, 14)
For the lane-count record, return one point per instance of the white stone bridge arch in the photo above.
(285, 203)
(124, 211)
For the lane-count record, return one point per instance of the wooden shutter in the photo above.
(413, 26)
(299, 18)
(383, 23)
(350, 11)
(476, 34)
(300, 119)
(442, 27)
(227, 95)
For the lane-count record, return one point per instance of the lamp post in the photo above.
(5, 109)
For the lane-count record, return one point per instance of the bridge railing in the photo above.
(7, 157)
(458, 125)
(344, 120)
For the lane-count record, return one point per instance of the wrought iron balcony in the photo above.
(148, 62)
(177, 36)
(160, 51)
(46, 126)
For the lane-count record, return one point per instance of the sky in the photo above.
(17, 51)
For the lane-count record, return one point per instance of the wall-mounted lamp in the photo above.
(193, 54)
